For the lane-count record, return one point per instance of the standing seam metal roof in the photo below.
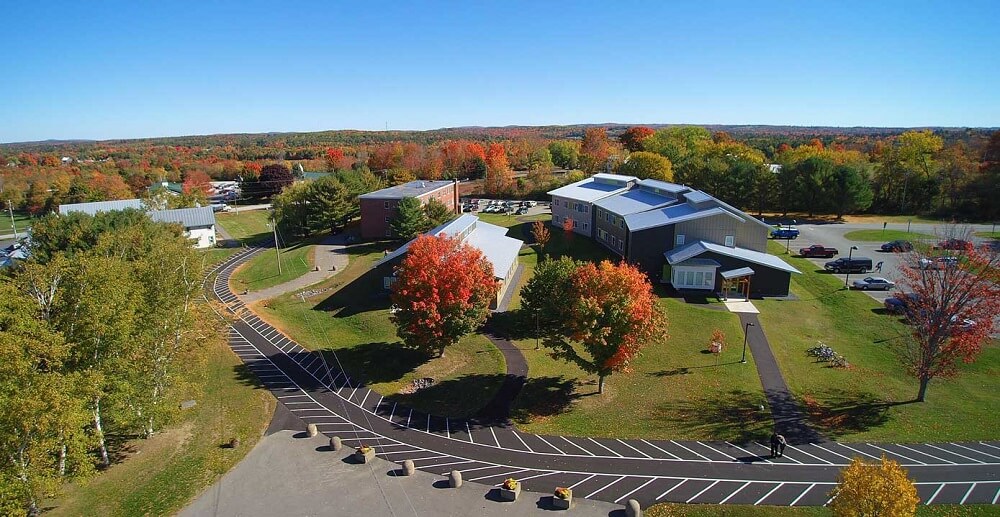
(633, 201)
(696, 248)
(589, 190)
(187, 217)
(100, 206)
(410, 189)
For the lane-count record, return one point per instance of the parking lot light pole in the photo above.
(788, 238)
(746, 330)
(850, 253)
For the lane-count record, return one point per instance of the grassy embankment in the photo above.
(872, 400)
(885, 235)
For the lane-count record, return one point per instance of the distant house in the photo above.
(501, 251)
(198, 223)
(575, 201)
(169, 186)
(379, 208)
(685, 238)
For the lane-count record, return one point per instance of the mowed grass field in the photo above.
(262, 272)
(248, 226)
(162, 474)
(22, 221)
(873, 399)
(349, 322)
(885, 235)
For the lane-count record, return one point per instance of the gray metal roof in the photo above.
(737, 273)
(698, 197)
(591, 189)
(187, 217)
(696, 248)
(614, 178)
(699, 262)
(501, 251)
(665, 186)
(101, 206)
(672, 215)
(411, 189)
(633, 201)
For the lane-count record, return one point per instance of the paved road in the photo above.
(330, 257)
(314, 388)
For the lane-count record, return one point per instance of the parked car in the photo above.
(897, 246)
(875, 283)
(953, 244)
(849, 265)
(467, 208)
(937, 262)
(521, 211)
(818, 250)
(785, 233)
(901, 303)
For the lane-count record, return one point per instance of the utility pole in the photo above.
(10, 210)
(277, 251)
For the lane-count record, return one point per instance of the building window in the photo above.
(565, 204)
(584, 226)
(621, 245)
(679, 240)
(614, 240)
(621, 222)
(385, 204)
(730, 241)
(388, 233)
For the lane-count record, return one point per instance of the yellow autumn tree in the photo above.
(874, 489)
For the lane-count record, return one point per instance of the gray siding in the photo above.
(615, 228)
(646, 249)
(764, 282)
(747, 234)
(563, 208)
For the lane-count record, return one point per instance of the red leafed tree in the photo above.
(595, 149)
(613, 314)
(196, 181)
(442, 292)
(499, 177)
(951, 312)
(632, 138)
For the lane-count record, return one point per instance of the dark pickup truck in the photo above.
(818, 250)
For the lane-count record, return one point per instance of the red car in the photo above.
(818, 250)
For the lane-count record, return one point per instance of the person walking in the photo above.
(774, 444)
(878, 267)
(781, 445)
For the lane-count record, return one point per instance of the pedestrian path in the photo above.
(330, 257)
(316, 390)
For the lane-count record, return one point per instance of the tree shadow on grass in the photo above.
(363, 294)
(462, 397)
(733, 416)
(372, 363)
(837, 412)
(512, 325)
(245, 376)
(543, 397)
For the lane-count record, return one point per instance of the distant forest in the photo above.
(821, 170)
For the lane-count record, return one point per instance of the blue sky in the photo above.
(142, 69)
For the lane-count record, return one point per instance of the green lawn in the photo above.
(248, 226)
(872, 399)
(161, 475)
(215, 255)
(261, 271)
(988, 235)
(22, 220)
(349, 320)
(885, 235)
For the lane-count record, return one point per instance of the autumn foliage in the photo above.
(881, 489)
(443, 291)
(595, 149)
(951, 312)
(499, 177)
(632, 138)
(541, 234)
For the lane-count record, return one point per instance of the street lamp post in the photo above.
(847, 277)
(536, 331)
(746, 330)
(788, 238)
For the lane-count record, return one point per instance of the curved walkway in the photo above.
(330, 257)
(606, 469)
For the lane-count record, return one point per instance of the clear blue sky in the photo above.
(139, 69)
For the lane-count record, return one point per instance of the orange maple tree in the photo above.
(595, 149)
(442, 292)
(951, 311)
(632, 138)
(197, 182)
(499, 177)
(613, 314)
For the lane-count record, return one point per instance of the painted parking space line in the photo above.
(922, 453)
(935, 494)
(831, 452)
(584, 480)
(734, 492)
(634, 490)
(595, 492)
(664, 451)
(612, 451)
(717, 451)
(469, 430)
(538, 476)
(803, 451)
(518, 436)
(504, 474)
(567, 440)
(702, 491)
(804, 492)
(859, 452)
(967, 492)
(769, 492)
(671, 489)
(540, 444)
(895, 453)
(634, 449)
(689, 450)
(966, 448)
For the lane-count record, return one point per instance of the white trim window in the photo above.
(693, 277)
(679, 239)
(730, 241)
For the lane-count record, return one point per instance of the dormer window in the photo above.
(730, 241)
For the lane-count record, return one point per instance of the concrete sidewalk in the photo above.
(330, 257)
(289, 474)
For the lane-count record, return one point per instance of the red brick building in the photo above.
(379, 208)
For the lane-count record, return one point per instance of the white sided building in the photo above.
(575, 201)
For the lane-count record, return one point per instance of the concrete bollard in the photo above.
(312, 430)
(455, 479)
(408, 468)
(632, 508)
(335, 443)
